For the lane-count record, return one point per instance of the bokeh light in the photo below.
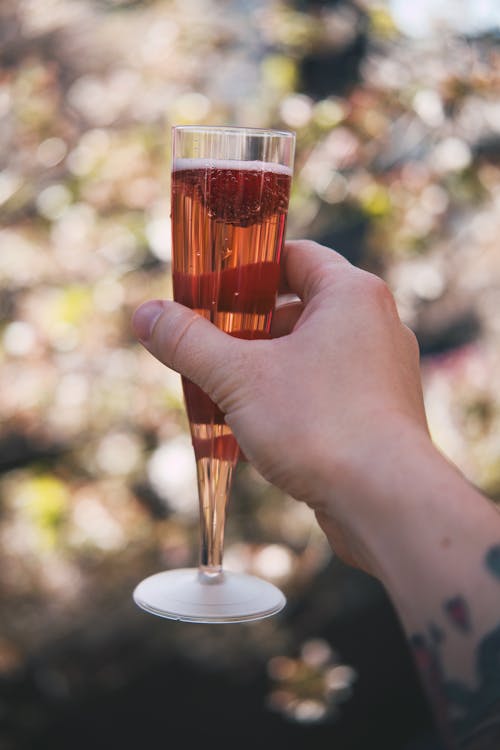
(397, 113)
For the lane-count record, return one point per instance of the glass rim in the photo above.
(235, 130)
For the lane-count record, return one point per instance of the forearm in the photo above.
(437, 552)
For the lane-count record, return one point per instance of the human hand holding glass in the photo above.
(356, 448)
(230, 191)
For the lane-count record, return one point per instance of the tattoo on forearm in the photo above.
(469, 718)
(458, 613)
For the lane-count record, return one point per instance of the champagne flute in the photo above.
(230, 191)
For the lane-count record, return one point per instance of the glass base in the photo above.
(184, 595)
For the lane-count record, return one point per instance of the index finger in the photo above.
(304, 264)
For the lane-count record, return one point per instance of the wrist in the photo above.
(381, 491)
(407, 509)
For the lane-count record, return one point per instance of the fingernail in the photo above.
(144, 319)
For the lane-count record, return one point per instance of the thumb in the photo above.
(184, 341)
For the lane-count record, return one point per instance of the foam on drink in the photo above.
(232, 164)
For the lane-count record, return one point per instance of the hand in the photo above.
(314, 407)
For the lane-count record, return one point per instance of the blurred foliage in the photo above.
(398, 167)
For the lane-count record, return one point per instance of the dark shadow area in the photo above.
(129, 687)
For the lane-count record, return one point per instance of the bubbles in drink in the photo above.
(228, 233)
(234, 192)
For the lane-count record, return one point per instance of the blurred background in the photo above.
(396, 107)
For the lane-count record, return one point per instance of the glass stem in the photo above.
(214, 485)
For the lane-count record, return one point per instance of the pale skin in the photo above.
(331, 411)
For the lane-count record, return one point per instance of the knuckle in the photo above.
(181, 343)
(171, 335)
(321, 250)
(376, 289)
(318, 246)
(322, 274)
(376, 285)
(412, 340)
(302, 244)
